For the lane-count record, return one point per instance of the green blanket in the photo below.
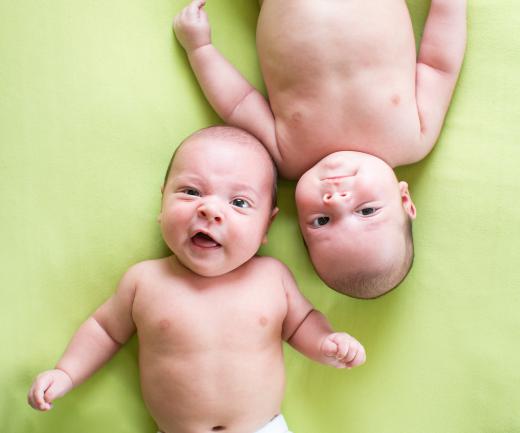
(94, 97)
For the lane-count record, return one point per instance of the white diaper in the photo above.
(276, 425)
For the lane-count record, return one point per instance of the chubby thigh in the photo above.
(210, 349)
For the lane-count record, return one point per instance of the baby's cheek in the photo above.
(304, 194)
(305, 198)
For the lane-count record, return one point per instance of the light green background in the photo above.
(94, 97)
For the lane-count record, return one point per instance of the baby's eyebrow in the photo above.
(241, 185)
(246, 189)
(188, 178)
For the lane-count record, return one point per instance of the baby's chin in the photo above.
(355, 159)
(347, 160)
(203, 269)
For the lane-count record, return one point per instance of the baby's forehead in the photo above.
(366, 236)
(232, 153)
(227, 155)
(221, 137)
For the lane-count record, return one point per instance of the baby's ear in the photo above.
(406, 198)
(271, 219)
(159, 217)
(273, 215)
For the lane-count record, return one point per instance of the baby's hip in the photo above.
(276, 425)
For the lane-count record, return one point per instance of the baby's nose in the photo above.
(210, 212)
(338, 196)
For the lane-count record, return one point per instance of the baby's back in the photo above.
(340, 76)
(210, 348)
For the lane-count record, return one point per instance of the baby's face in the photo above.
(216, 206)
(351, 211)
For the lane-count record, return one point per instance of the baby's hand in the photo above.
(346, 350)
(191, 26)
(48, 386)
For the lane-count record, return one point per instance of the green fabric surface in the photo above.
(94, 97)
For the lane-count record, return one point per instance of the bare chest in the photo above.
(179, 317)
(386, 126)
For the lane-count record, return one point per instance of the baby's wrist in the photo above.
(191, 51)
(60, 369)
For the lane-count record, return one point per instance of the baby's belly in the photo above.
(340, 76)
(213, 391)
(308, 37)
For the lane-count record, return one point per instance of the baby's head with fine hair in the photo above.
(356, 219)
(218, 201)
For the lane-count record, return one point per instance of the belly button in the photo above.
(218, 428)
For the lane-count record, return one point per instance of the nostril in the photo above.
(218, 219)
(327, 196)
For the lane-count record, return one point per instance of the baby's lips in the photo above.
(204, 240)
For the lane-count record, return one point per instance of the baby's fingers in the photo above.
(356, 356)
(329, 348)
(343, 348)
(194, 9)
(36, 396)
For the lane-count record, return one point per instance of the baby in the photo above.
(348, 102)
(211, 318)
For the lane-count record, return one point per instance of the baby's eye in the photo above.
(367, 211)
(240, 202)
(320, 221)
(191, 191)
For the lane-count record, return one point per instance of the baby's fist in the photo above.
(48, 386)
(343, 350)
(191, 26)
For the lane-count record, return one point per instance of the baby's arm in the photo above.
(95, 342)
(438, 66)
(235, 100)
(309, 332)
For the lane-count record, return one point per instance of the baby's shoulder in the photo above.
(266, 261)
(271, 265)
(149, 269)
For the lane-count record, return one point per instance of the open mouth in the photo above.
(203, 240)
